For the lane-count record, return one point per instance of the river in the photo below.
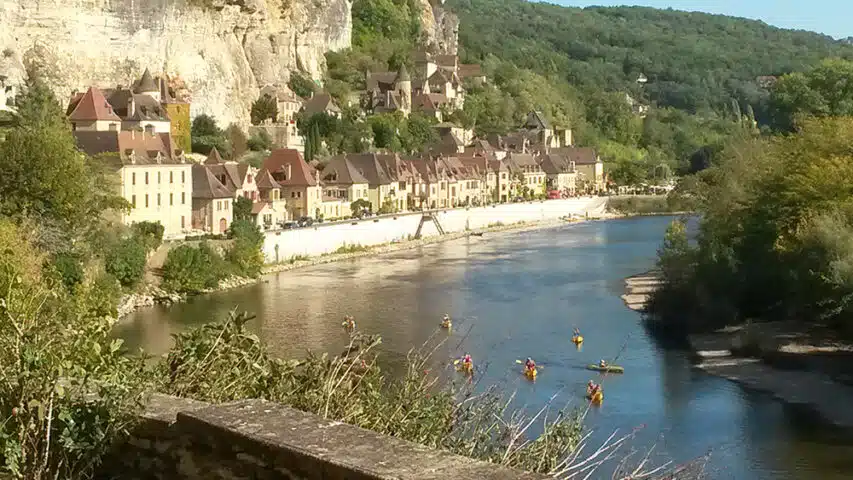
(514, 295)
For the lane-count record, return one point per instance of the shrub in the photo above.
(149, 233)
(242, 209)
(301, 85)
(264, 108)
(126, 261)
(245, 255)
(69, 267)
(188, 269)
(260, 141)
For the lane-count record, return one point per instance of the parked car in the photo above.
(554, 194)
(289, 225)
(306, 221)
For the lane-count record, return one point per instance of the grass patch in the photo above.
(352, 248)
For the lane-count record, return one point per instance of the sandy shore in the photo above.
(811, 389)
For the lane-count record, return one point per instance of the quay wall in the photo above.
(282, 245)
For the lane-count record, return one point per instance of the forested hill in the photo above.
(692, 60)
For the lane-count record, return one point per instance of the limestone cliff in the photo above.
(441, 27)
(224, 50)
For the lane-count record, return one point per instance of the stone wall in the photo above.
(255, 439)
(282, 245)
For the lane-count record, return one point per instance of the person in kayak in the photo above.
(529, 364)
(577, 332)
(592, 388)
(445, 322)
(349, 322)
(467, 362)
(602, 363)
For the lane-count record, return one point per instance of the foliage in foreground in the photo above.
(66, 391)
(220, 362)
(774, 238)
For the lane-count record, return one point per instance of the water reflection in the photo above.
(518, 295)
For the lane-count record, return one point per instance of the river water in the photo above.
(514, 295)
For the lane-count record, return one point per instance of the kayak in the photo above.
(577, 339)
(608, 369)
(530, 373)
(597, 398)
(446, 325)
(465, 368)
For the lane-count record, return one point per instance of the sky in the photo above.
(831, 17)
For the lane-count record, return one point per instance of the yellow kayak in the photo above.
(596, 399)
(530, 373)
(446, 325)
(467, 368)
(577, 339)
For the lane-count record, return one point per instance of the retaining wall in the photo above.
(255, 439)
(281, 245)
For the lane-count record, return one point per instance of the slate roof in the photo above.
(579, 155)
(139, 148)
(91, 106)
(536, 119)
(146, 83)
(554, 164)
(264, 181)
(213, 158)
(467, 70)
(321, 102)
(368, 165)
(205, 184)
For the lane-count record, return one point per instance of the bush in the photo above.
(264, 108)
(69, 267)
(301, 85)
(149, 233)
(126, 261)
(245, 255)
(260, 141)
(192, 270)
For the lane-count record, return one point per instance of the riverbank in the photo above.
(151, 294)
(807, 369)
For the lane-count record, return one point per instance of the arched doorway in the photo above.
(223, 225)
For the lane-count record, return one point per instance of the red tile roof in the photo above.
(300, 173)
(91, 106)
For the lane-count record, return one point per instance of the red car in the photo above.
(554, 195)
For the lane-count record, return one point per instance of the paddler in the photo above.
(445, 322)
(349, 322)
(602, 363)
(529, 364)
(467, 362)
(577, 332)
(592, 388)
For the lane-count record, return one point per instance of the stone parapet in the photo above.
(256, 439)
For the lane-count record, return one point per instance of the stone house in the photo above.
(154, 176)
(426, 191)
(321, 103)
(401, 175)
(288, 103)
(299, 182)
(380, 188)
(271, 210)
(389, 91)
(91, 112)
(488, 185)
(526, 172)
(342, 182)
(212, 204)
(237, 177)
(589, 167)
(560, 174)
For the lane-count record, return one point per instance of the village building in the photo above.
(343, 184)
(389, 91)
(560, 174)
(589, 167)
(527, 174)
(299, 182)
(212, 209)
(270, 212)
(239, 178)
(321, 103)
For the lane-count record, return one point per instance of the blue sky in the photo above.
(832, 17)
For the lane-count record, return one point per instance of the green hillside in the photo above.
(693, 60)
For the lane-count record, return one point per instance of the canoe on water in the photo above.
(608, 369)
(597, 398)
(530, 373)
(577, 339)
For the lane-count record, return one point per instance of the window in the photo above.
(133, 200)
(158, 199)
(183, 177)
(183, 198)
(146, 200)
(248, 179)
(113, 127)
(133, 178)
(146, 178)
(171, 177)
(158, 178)
(171, 199)
(183, 221)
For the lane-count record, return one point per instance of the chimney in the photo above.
(287, 171)
(131, 106)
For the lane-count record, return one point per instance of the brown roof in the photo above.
(381, 80)
(470, 70)
(258, 207)
(429, 101)
(139, 148)
(147, 108)
(299, 173)
(91, 106)
(341, 171)
(554, 164)
(205, 184)
(213, 158)
(445, 60)
(230, 174)
(321, 102)
(579, 155)
(369, 166)
(264, 181)
(146, 83)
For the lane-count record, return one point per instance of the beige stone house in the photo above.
(381, 189)
(527, 174)
(270, 211)
(91, 112)
(237, 177)
(342, 185)
(299, 182)
(155, 178)
(560, 174)
(212, 204)
(589, 167)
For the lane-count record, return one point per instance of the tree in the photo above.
(206, 135)
(418, 132)
(237, 140)
(44, 175)
(822, 91)
(309, 145)
(264, 108)
(245, 254)
(260, 141)
(385, 127)
(188, 269)
(242, 209)
(126, 261)
(301, 85)
(360, 206)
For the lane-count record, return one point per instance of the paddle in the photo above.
(522, 363)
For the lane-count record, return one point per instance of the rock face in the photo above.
(224, 50)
